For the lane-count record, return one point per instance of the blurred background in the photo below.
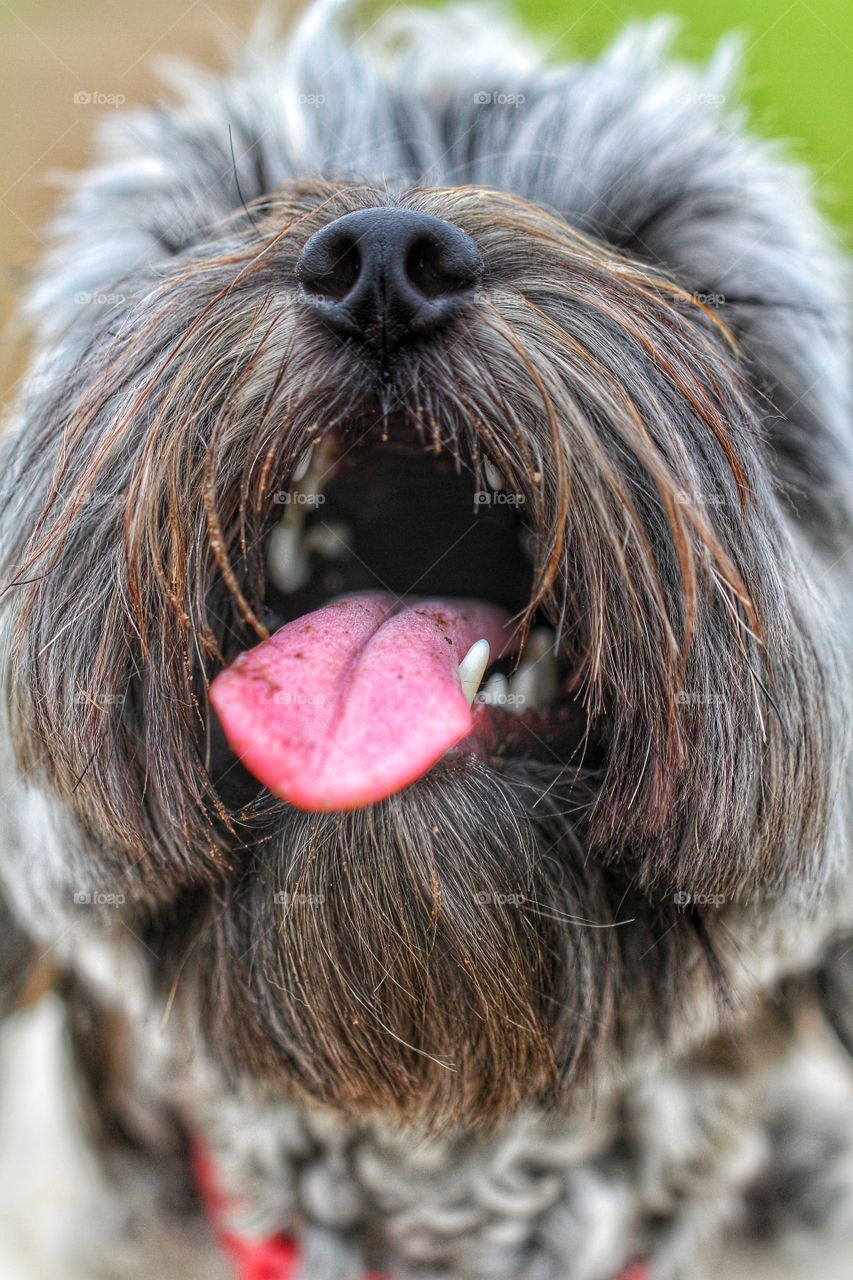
(61, 63)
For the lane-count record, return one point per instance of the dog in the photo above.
(425, 647)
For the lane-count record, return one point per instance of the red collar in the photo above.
(278, 1257)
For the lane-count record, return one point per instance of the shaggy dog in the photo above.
(425, 627)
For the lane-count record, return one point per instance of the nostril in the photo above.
(330, 272)
(424, 268)
(434, 270)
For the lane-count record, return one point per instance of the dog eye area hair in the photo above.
(425, 615)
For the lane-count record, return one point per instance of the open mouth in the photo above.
(399, 579)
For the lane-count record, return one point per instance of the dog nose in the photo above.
(384, 275)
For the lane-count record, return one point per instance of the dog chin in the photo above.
(431, 958)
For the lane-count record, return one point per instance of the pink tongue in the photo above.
(351, 703)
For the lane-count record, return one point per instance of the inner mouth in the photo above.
(399, 578)
(395, 516)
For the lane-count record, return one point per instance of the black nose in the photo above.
(388, 274)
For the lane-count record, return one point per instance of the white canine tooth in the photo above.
(300, 471)
(495, 691)
(493, 475)
(287, 563)
(472, 668)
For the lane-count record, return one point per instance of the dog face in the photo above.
(434, 374)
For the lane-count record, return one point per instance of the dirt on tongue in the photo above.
(353, 702)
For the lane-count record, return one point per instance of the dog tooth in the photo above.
(472, 668)
(540, 643)
(300, 471)
(332, 541)
(535, 683)
(524, 689)
(323, 462)
(493, 475)
(526, 540)
(313, 470)
(541, 649)
(287, 562)
(495, 690)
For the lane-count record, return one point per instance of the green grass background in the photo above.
(797, 68)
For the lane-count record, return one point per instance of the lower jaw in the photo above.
(556, 734)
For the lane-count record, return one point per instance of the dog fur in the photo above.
(657, 361)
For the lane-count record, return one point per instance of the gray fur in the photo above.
(732, 788)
